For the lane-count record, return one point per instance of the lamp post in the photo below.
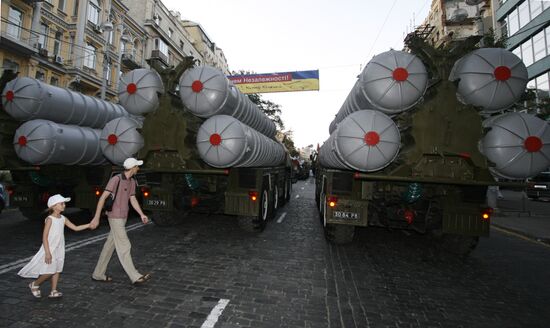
(108, 28)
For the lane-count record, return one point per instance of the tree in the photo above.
(271, 109)
(289, 144)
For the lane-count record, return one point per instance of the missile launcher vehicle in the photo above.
(205, 145)
(420, 138)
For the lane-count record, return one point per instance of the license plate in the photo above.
(20, 199)
(540, 186)
(345, 215)
(155, 203)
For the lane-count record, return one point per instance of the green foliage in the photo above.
(271, 109)
(490, 40)
(289, 144)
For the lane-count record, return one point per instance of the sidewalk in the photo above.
(525, 217)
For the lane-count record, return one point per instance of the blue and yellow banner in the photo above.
(277, 82)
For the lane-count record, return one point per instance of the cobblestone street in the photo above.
(287, 276)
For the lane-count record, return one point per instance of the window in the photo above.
(181, 45)
(61, 5)
(517, 52)
(122, 47)
(54, 81)
(71, 43)
(170, 32)
(527, 52)
(542, 85)
(75, 8)
(160, 45)
(108, 77)
(15, 21)
(93, 12)
(539, 46)
(43, 36)
(57, 44)
(39, 76)
(513, 23)
(157, 19)
(9, 65)
(524, 17)
(110, 37)
(536, 8)
(89, 56)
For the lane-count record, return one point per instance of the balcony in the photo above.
(129, 60)
(156, 54)
(16, 39)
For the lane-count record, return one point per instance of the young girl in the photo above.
(48, 262)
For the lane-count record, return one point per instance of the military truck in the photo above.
(412, 149)
(189, 164)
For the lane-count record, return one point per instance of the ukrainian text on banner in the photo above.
(277, 82)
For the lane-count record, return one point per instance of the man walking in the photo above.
(123, 187)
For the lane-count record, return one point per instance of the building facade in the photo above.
(526, 25)
(86, 45)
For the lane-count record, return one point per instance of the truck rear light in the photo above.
(253, 195)
(195, 201)
(408, 215)
(146, 192)
(97, 192)
(10, 190)
(332, 201)
(486, 213)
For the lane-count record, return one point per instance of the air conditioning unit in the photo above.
(59, 59)
(43, 52)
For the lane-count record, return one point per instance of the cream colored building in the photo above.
(210, 53)
(457, 19)
(68, 43)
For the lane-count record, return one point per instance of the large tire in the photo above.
(257, 223)
(339, 233)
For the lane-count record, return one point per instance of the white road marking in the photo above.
(81, 243)
(215, 314)
(297, 196)
(302, 188)
(280, 219)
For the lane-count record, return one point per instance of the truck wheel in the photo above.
(322, 204)
(339, 233)
(288, 190)
(167, 218)
(257, 223)
(458, 244)
(276, 199)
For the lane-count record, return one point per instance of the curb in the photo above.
(545, 241)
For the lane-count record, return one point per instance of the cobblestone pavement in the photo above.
(287, 276)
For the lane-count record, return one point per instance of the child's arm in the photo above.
(71, 225)
(48, 254)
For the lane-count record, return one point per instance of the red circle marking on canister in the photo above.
(400, 74)
(197, 86)
(10, 95)
(215, 139)
(372, 138)
(532, 144)
(131, 88)
(22, 141)
(112, 139)
(502, 73)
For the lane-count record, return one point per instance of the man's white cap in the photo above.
(131, 162)
(55, 199)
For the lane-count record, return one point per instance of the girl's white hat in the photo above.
(57, 199)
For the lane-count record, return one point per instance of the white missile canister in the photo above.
(518, 144)
(26, 99)
(393, 81)
(121, 139)
(490, 78)
(366, 140)
(138, 91)
(206, 92)
(224, 141)
(40, 142)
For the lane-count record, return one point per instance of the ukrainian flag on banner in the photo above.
(277, 82)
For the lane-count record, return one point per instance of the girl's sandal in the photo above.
(35, 290)
(55, 294)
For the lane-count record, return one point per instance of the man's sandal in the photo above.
(107, 279)
(55, 294)
(35, 290)
(143, 279)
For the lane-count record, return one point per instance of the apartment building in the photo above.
(211, 54)
(526, 24)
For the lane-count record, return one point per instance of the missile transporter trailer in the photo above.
(405, 153)
(239, 174)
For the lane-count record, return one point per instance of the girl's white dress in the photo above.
(56, 239)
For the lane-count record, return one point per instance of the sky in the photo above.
(336, 37)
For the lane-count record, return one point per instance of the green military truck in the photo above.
(405, 153)
(156, 127)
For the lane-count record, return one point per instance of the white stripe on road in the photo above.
(297, 196)
(280, 219)
(81, 243)
(215, 314)
(302, 188)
